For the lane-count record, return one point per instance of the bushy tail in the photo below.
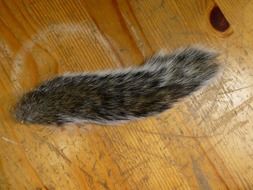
(125, 94)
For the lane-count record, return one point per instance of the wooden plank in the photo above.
(205, 142)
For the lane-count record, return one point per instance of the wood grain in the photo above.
(205, 142)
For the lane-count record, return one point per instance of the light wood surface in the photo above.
(204, 142)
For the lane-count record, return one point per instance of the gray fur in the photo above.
(119, 95)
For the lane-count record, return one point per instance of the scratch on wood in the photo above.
(58, 152)
(225, 118)
(8, 140)
(134, 167)
(172, 135)
(200, 176)
(104, 184)
(235, 90)
(90, 177)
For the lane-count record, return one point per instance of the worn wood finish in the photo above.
(205, 142)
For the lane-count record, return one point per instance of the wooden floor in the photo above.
(205, 142)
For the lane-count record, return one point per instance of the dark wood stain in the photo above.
(218, 20)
